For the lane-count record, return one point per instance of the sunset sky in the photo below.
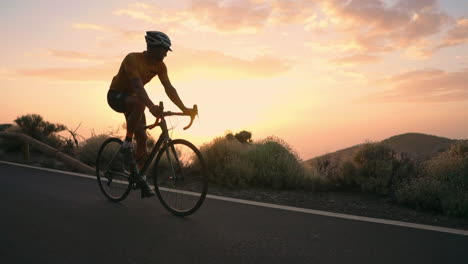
(321, 74)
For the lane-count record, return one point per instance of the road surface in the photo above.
(50, 217)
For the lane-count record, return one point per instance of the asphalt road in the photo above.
(48, 217)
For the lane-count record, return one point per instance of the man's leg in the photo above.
(141, 138)
(136, 108)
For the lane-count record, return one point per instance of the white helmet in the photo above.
(158, 38)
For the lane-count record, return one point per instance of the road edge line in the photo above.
(287, 208)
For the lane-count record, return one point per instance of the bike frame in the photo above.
(163, 141)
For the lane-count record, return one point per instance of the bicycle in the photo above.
(179, 171)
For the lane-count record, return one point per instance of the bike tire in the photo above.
(186, 182)
(113, 181)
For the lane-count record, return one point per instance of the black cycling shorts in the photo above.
(116, 101)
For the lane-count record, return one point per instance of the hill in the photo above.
(421, 146)
(417, 145)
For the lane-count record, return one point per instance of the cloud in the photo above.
(355, 59)
(96, 73)
(122, 34)
(89, 26)
(294, 12)
(231, 15)
(377, 27)
(457, 35)
(75, 55)
(245, 16)
(430, 85)
(187, 64)
(135, 14)
(7, 74)
(220, 65)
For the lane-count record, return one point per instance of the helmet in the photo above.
(156, 38)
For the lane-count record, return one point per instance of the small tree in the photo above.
(36, 127)
(244, 136)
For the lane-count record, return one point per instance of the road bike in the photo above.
(177, 168)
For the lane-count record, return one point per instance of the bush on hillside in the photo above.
(36, 127)
(373, 167)
(11, 145)
(89, 149)
(267, 163)
(243, 136)
(443, 184)
(3, 127)
(228, 161)
(336, 172)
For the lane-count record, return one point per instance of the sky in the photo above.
(322, 75)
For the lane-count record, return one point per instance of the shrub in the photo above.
(36, 127)
(89, 149)
(276, 164)
(337, 172)
(223, 158)
(373, 167)
(267, 163)
(244, 137)
(11, 145)
(442, 185)
(3, 127)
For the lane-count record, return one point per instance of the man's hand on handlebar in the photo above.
(156, 111)
(191, 111)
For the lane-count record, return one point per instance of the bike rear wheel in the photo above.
(113, 180)
(180, 177)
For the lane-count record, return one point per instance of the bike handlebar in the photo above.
(169, 113)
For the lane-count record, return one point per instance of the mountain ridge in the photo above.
(416, 145)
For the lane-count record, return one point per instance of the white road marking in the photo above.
(289, 208)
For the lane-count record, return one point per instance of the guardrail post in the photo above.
(26, 151)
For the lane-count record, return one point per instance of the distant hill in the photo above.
(420, 145)
(417, 145)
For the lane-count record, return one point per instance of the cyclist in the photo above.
(127, 95)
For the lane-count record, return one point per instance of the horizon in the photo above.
(322, 76)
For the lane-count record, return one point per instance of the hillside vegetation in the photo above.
(416, 145)
(237, 161)
(417, 170)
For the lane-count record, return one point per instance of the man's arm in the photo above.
(170, 90)
(137, 86)
(131, 66)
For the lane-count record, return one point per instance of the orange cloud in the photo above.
(135, 14)
(122, 33)
(231, 15)
(293, 11)
(76, 56)
(355, 59)
(225, 66)
(377, 27)
(227, 16)
(457, 35)
(97, 73)
(89, 26)
(430, 85)
(188, 62)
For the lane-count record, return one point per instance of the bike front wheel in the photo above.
(113, 180)
(180, 177)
